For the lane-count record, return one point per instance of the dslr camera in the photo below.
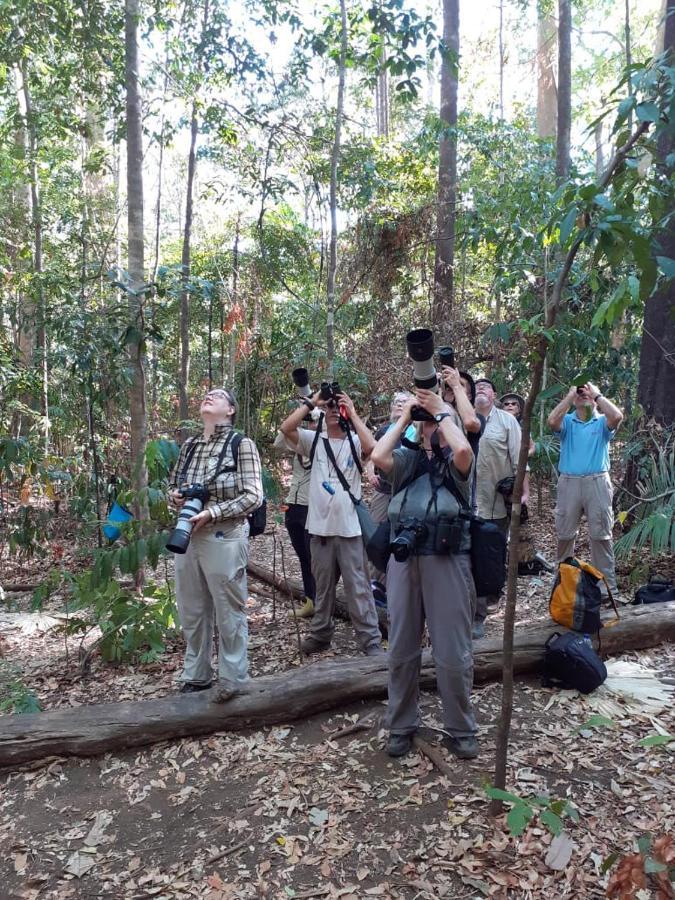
(196, 495)
(411, 534)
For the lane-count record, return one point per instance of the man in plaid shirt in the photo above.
(211, 575)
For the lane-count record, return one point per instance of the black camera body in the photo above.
(195, 495)
(411, 534)
(446, 357)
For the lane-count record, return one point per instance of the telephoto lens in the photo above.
(420, 342)
(446, 357)
(196, 496)
(301, 381)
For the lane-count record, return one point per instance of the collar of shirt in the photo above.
(219, 431)
(575, 416)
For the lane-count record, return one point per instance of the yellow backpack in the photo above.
(576, 598)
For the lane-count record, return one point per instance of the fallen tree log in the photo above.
(272, 699)
(293, 587)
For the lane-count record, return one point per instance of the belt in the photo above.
(590, 475)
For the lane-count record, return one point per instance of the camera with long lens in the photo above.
(196, 495)
(410, 535)
(420, 343)
(301, 381)
(446, 357)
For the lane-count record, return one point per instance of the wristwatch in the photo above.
(308, 403)
(444, 415)
(596, 398)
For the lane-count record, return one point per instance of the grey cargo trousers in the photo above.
(348, 553)
(435, 588)
(211, 580)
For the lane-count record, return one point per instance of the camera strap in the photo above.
(317, 435)
(192, 449)
(338, 471)
(446, 477)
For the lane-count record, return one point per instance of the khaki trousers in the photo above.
(436, 589)
(211, 581)
(590, 495)
(379, 506)
(348, 554)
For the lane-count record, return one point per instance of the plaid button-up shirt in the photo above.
(233, 494)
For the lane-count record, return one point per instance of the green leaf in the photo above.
(498, 794)
(667, 266)
(644, 843)
(518, 818)
(552, 822)
(647, 112)
(567, 225)
(653, 865)
(596, 721)
(608, 862)
(656, 740)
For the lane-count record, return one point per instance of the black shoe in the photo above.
(462, 747)
(190, 688)
(311, 645)
(399, 744)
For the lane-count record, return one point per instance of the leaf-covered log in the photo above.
(269, 700)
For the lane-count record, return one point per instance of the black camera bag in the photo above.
(488, 557)
(659, 590)
(570, 662)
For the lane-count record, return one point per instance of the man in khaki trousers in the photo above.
(584, 485)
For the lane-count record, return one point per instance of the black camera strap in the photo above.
(338, 471)
(352, 447)
(192, 449)
(447, 478)
(317, 435)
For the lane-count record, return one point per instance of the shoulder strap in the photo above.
(353, 449)
(448, 480)
(192, 449)
(234, 438)
(317, 435)
(340, 476)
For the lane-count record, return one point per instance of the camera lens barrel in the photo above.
(181, 534)
(420, 343)
(446, 356)
(301, 381)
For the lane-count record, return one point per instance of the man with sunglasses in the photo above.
(211, 575)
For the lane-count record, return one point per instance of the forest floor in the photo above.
(300, 812)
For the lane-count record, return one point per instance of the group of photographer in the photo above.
(449, 451)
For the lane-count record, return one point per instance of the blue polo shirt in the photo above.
(584, 446)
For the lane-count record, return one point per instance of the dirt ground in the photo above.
(303, 811)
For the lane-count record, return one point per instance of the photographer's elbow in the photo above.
(462, 459)
(382, 461)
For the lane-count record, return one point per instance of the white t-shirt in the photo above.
(332, 514)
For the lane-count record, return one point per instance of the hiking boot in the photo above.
(189, 687)
(478, 629)
(462, 747)
(312, 645)
(399, 744)
(374, 650)
(306, 611)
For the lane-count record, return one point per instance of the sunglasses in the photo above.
(511, 403)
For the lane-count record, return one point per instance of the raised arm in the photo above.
(611, 412)
(289, 427)
(558, 414)
(364, 434)
(383, 452)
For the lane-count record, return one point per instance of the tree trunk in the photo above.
(546, 87)
(656, 384)
(334, 160)
(447, 169)
(501, 59)
(36, 222)
(562, 162)
(136, 258)
(551, 312)
(232, 360)
(296, 694)
(184, 328)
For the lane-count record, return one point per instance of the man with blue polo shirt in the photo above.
(584, 485)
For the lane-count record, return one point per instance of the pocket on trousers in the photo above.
(563, 526)
(601, 520)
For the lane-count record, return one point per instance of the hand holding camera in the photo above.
(451, 377)
(430, 401)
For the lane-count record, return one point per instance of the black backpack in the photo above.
(571, 662)
(257, 521)
(659, 590)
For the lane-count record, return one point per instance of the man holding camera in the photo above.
(332, 521)
(584, 485)
(497, 461)
(211, 572)
(429, 573)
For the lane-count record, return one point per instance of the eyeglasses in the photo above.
(219, 395)
(511, 403)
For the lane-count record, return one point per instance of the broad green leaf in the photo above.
(647, 112)
(608, 862)
(498, 794)
(656, 740)
(567, 225)
(518, 817)
(551, 821)
(667, 266)
(644, 843)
